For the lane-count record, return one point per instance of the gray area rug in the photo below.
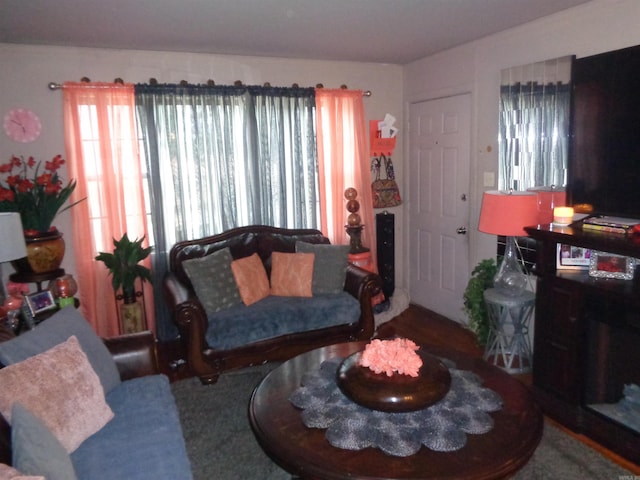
(221, 445)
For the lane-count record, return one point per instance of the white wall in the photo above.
(25, 72)
(598, 26)
(595, 27)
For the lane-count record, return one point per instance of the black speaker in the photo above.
(385, 237)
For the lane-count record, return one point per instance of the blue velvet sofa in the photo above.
(144, 438)
(220, 334)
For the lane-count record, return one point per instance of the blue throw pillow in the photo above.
(36, 451)
(57, 329)
(213, 280)
(329, 267)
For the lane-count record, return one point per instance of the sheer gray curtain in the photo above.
(220, 157)
(533, 135)
(286, 157)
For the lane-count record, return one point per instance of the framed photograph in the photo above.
(40, 302)
(570, 257)
(609, 265)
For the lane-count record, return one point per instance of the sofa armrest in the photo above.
(135, 354)
(184, 306)
(189, 316)
(364, 286)
(175, 292)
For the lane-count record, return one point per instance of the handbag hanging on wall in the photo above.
(385, 191)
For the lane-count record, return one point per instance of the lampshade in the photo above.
(506, 213)
(12, 244)
(548, 199)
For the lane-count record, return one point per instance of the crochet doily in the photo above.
(442, 427)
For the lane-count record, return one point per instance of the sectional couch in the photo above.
(85, 408)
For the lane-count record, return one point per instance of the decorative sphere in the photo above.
(353, 206)
(353, 220)
(350, 193)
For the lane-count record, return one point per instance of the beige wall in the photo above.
(25, 72)
(595, 27)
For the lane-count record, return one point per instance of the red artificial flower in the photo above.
(55, 163)
(6, 195)
(13, 180)
(24, 185)
(44, 179)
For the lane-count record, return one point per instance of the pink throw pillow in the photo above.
(251, 278)
(61, 388)
(291, 274)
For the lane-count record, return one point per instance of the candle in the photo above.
(563, 215)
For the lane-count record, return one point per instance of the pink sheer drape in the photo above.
(102, 155)
(343, 162)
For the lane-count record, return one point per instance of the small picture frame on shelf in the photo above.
(610, 265)
(40, 302)
(571, 257)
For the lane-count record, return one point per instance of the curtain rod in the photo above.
(58, 86)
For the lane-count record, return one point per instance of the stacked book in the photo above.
(610, 224)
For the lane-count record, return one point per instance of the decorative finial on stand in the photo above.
(354, 221)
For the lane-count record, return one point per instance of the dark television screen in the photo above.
(604, 159)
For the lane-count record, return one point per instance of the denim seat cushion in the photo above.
(143, 440)
(275, 316)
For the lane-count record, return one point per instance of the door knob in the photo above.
(461, 231)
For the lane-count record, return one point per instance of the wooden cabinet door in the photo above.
(558, 336)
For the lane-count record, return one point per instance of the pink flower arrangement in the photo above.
(389, 356)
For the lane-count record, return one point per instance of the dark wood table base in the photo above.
(305, 452)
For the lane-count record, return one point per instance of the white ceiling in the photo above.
(382, 31)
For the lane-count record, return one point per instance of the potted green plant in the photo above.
(474, 306)
(124, 267)
(36, 191)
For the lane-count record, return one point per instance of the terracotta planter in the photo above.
(45, 251)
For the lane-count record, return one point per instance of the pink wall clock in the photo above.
(22, 125)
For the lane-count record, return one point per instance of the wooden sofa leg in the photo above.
(209, 379)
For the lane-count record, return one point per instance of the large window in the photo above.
(199, 160)
(533, 132)
(102, 149)
(220, 157)
(534, 125)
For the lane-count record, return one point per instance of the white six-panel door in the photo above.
(439, 144)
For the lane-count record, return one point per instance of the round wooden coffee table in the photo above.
(305, 452)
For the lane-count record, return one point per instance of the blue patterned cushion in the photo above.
(329, 268)
(275, 316)
(36, 451)
(213, 280)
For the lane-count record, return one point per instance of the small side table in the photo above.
(37, 278)
(508, 345)
(362, 260)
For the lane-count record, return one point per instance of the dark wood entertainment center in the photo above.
(587, 337)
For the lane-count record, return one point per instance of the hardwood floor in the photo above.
(428, 328)
(424, 327)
